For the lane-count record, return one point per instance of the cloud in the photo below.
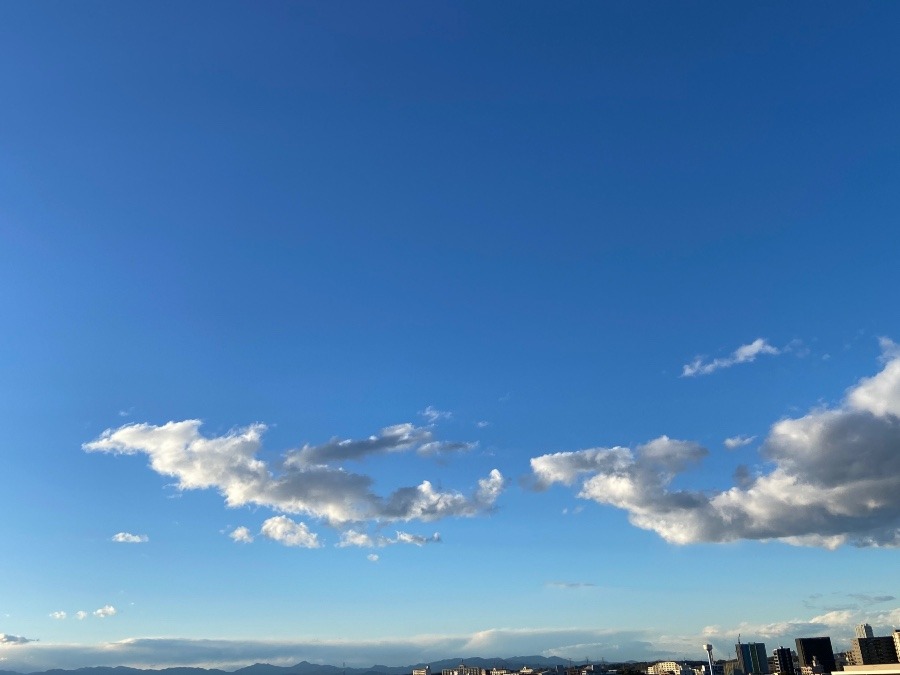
(837, 623)
(290, 533)
(871, 599)
(743, 354)
(372, 557)
(241, 535)
(105, 611)
(128, 538)
(481, 424)
(81, 615)
(417, 539)
(6, 639)
(835, 478)
(232, 654)
(306, 480)
(738, 441)
(58, 615)
(364, 540)
(569, 585)
(392, 439)
(889, 349)
(432, 414)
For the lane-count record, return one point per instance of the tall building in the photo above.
(818, 648)
(751, 658)
(864, 630)
(784, 661)
(868, 651)
(896, 636)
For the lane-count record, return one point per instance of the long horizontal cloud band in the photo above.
(307, 481)
(25, 655)
(836, 478)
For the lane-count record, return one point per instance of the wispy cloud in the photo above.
(365, 540)
(835, 481)
(58, 615)
(570, 585)
(743, 354)
(128, 538)
(433, 415)
(81, 615)
(738, 441)
(241, 535)
(309, 480)
(867, 599)
(372, 557)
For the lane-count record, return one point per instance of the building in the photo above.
(663, 667)
(784, 661)
(872, 650)
(461, 669)
(896, 636)
(818, 648)
(422, 671)
(752, 658)
(864, 630)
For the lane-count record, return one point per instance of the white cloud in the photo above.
(58, 615)
(290, 533)
(372, 557)
(81, 615)
(306, 481)
(571, 585)
(432, 414)
(105, 611)
(743, 354)
(241, 535)
(361, 539)
(128, 538)
(481, 424)
(835, 478)
(738, 441)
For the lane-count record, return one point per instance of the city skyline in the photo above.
(386, 333)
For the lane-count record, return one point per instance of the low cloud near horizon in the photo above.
(613, 645)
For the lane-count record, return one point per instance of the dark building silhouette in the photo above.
(751, 657)
(818, 648)
(784, 661)
(871, 650)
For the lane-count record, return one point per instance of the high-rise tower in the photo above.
(864, 630)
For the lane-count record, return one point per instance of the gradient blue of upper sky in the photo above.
(387, 332)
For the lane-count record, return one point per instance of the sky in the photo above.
(391, 332)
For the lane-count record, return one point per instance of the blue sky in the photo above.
(384, 332)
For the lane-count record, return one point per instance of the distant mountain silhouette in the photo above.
(307, 668)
